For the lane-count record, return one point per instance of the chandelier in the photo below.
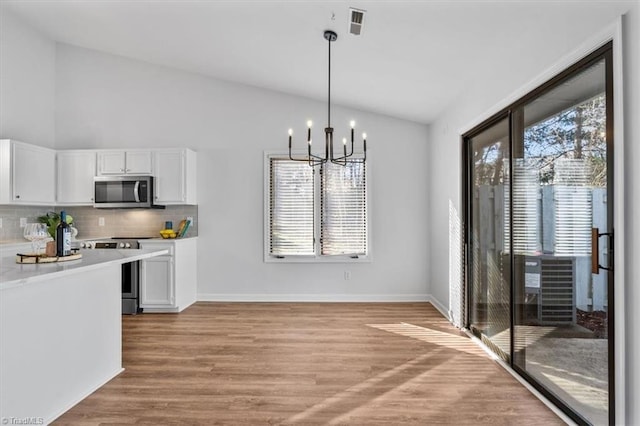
(347, 153)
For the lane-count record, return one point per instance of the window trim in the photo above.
(317, 257)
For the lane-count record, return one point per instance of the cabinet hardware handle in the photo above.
(17, 196)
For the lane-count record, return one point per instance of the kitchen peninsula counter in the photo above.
(60, 330)
(13, 274)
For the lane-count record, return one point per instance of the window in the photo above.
(344, 210)
(291, 208)
(303, 202)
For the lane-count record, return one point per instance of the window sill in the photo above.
(317, 259)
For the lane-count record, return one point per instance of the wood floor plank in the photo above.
(306, 363)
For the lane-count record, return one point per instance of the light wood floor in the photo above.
(306, 363)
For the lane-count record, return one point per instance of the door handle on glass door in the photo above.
(595, 250)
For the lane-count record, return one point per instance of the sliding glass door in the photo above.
(539, 213)
(489, 262)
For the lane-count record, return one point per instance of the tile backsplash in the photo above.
(10, 231)
(117, 222)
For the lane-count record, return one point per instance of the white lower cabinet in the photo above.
(168, 283)
(157, 282)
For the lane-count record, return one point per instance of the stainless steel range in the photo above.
(130, 271)
(113, 243)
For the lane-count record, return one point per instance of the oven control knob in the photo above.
(127, 245)
(86, 245)
(121, 245)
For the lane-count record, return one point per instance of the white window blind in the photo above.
(291, 208)
(300, 207)
(344, 210)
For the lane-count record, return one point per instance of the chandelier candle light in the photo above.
(347, 157)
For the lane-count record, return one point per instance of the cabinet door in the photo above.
(138, 163)
(156, 282)
(34, 174)
(76, 171)
(169, 177)
(111, 163)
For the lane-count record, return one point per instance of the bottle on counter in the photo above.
(63, 236)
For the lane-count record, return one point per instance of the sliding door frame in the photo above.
(606, 52)
(467, 192)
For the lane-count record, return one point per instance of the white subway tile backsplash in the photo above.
(118, 223)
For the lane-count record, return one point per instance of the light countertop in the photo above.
(166, 240)
(13, 274)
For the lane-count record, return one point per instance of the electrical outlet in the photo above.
(347, 275)
(23, 222)
(101, 221)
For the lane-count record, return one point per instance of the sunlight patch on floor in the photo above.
(443, 341)
(525, 335)
(353, 391)
(458, 342)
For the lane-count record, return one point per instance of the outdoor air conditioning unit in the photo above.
(555, 278)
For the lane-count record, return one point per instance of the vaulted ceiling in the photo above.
(412, 60)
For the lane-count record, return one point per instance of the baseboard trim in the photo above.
(226, 297)
(439, 306)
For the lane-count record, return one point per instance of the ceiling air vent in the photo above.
(356, 18)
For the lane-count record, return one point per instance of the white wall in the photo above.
(27, 78)
(109, 101)
(481, 102)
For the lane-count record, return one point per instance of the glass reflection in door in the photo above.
(560, 182)
(489, 266)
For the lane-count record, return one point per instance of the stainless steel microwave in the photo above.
(121, 192)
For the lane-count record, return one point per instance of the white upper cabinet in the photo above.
(175, 176)
(138, 162)
(27, 174)
(33, 175)
(125, 162)
(111, 163)
(76, 170)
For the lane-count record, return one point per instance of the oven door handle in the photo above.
(136, 191)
